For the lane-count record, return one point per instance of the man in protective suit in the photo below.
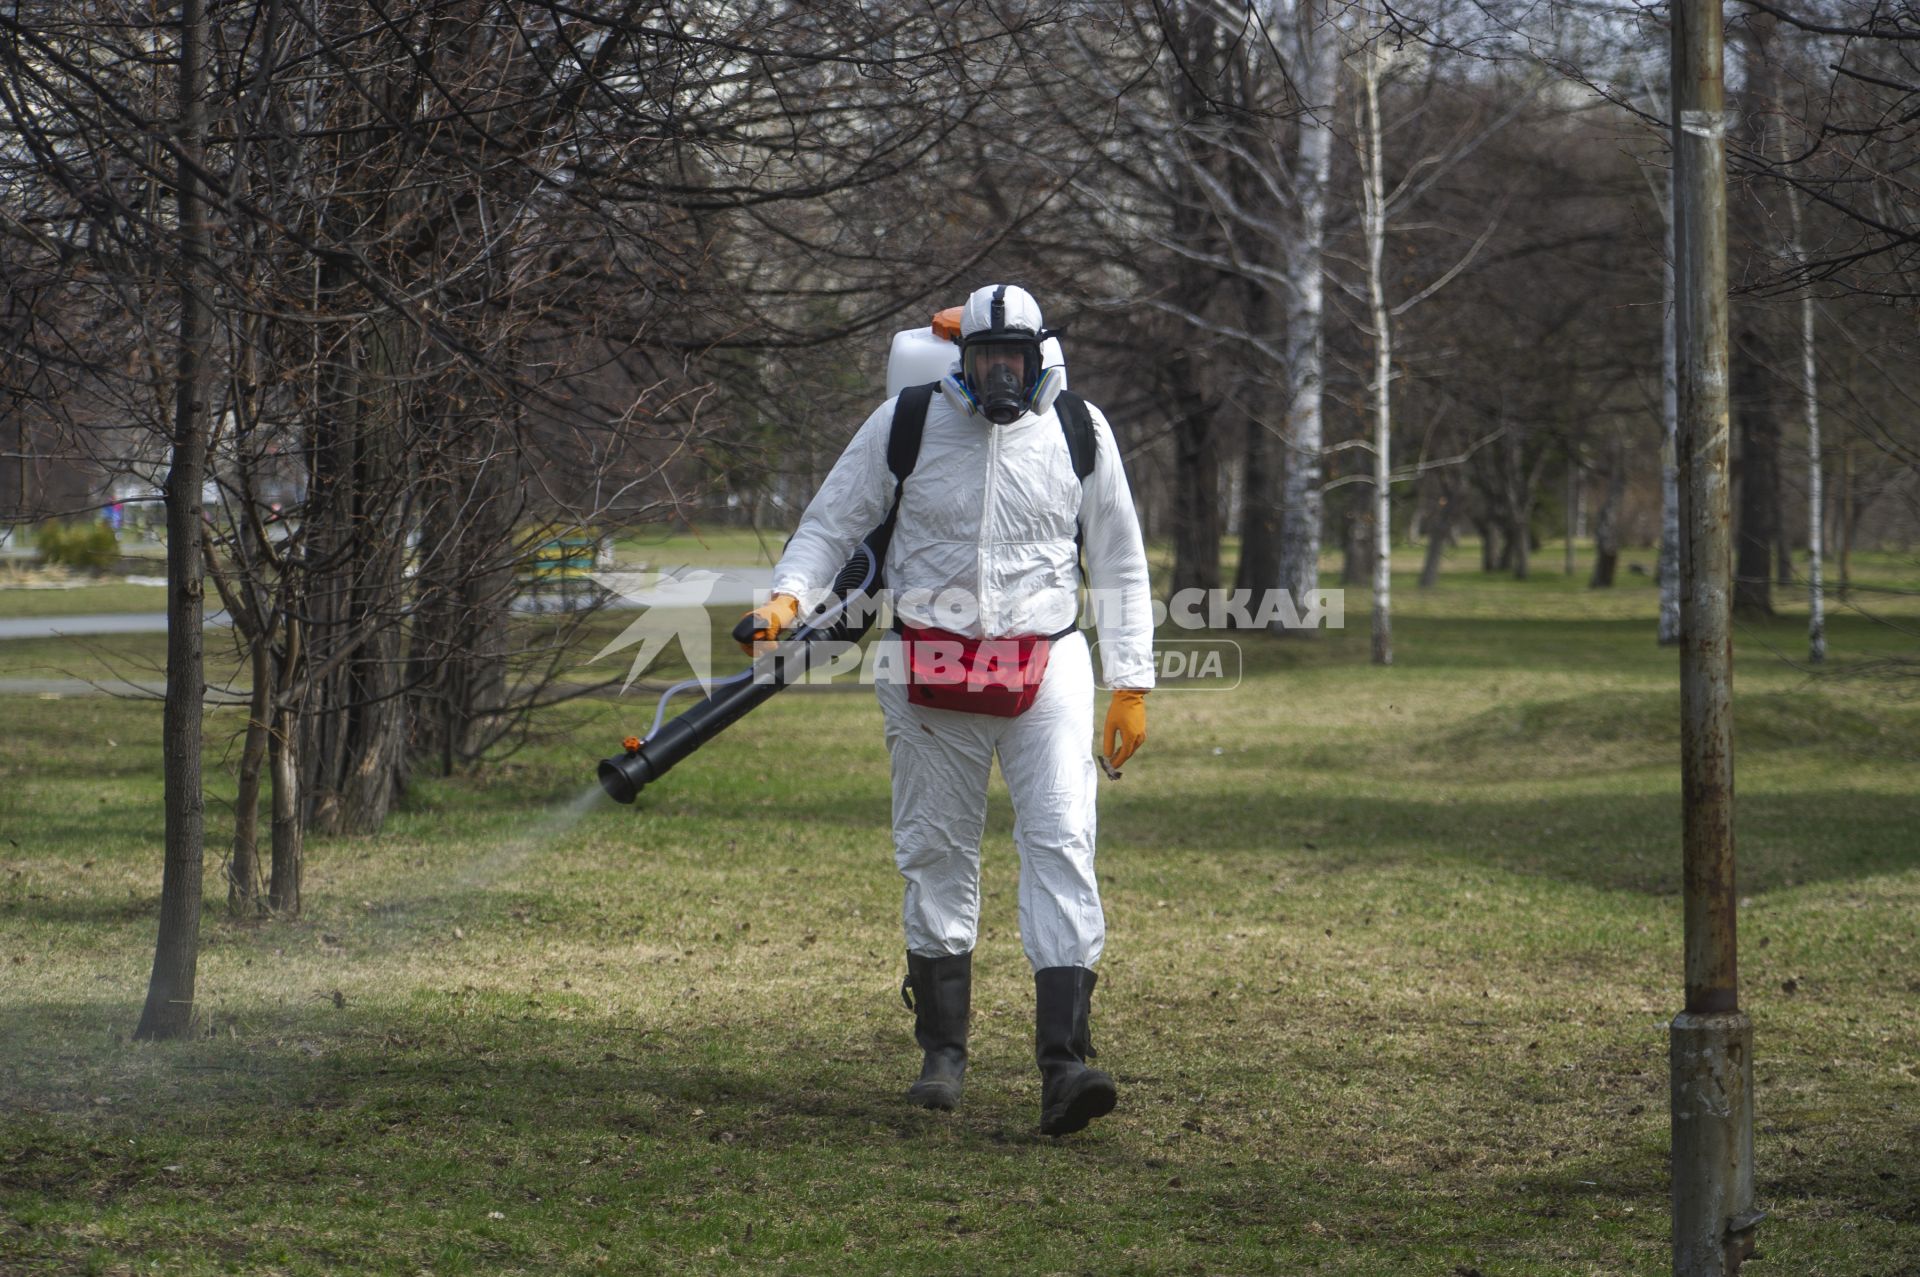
(992, 522)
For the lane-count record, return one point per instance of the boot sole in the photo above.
(943, 1098)
(1096, 1097)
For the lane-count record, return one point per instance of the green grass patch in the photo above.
(1391, 955)
(674, 545)
(81, 600)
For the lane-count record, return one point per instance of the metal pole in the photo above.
(1711, 1040)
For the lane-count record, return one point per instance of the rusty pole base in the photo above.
(1714, 1219)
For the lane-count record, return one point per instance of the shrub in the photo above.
(91, 546)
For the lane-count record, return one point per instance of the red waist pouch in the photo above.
(997, 676)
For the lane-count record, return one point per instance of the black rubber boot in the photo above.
(939, 992)
(1071, 1094)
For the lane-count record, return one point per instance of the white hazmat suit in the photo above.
(984, 546)
(992, 526)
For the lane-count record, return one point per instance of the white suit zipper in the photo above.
(988, 619)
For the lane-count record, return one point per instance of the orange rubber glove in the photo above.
(767, 621)
(1126, 727)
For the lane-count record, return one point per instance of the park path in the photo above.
(13, 627)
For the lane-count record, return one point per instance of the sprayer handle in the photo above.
(766, 621)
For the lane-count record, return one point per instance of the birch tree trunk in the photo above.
(1301, 501)
(1669, 565)
(1848, 513)
(1373, 213)
(170, 991)
(1810, 403)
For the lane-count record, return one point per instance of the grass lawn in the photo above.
(88, 599)
(674, 545)
(1390, 961)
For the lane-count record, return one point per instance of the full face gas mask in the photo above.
(1001, 371)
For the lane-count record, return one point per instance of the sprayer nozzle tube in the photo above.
(625, 776)
(647, 761)
(620, 786)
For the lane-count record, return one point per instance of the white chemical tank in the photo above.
(917, 358)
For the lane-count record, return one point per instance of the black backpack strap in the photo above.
(903, 439)
(903, 453)
(1077, 424)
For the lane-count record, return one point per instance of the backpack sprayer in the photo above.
(918, 356)
(843, 620)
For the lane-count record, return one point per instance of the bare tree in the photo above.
(1381, 206)
(1316, 67)
(170, 991)
(477, 269)
(1606, 522)
(1372, 58)
(1222, 164)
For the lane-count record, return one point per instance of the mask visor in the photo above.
(1002, 375)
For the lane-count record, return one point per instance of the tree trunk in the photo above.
(465, 585)
(1809, 384)
(1759, 479)
(353, 754)
(1668, 569)
(1816, 498)
(1196, 481)
(1319, 42)
(170, 991)
(1439, 530)
(1374, 217)
(1259, 565)
(1606, 531)
(289, 840)
(1573, 514)
(1517, 488)
(1846, 514)
(1382, 554)
(1356, 538)
(244, 898)
(377, 769)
